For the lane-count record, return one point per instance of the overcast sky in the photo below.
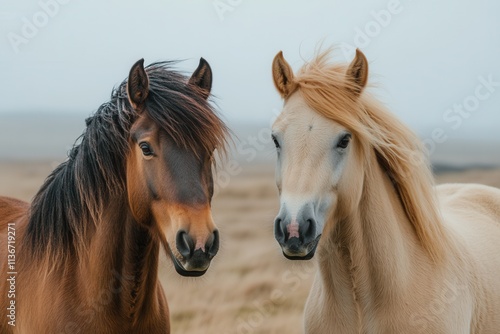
(426, 56)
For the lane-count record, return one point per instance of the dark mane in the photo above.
(73, 196)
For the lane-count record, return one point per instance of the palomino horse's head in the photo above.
(169, 165)
(318, 158)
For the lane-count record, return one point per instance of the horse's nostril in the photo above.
(310, 229)
(212, 245)
(279, 230)
(185, 244)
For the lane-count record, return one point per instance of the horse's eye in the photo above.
(276, 143)
(344, 142)
(146, 149)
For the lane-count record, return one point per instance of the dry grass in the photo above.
(250, 287)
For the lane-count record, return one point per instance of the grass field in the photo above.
(250, 287)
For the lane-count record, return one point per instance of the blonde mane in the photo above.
(399, 151)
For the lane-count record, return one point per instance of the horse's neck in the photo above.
(366, 257)
(122, 264)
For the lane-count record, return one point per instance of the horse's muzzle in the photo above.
(297, 237)
(193, 261)
(295, 250)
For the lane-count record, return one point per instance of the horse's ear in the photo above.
(357, 72)
(283, 76)
(137, 85)
(202, 78)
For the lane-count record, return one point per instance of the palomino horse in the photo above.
(86, 250)
(395, 254)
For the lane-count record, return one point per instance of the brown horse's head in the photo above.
(169, 164)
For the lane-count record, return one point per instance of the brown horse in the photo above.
(83, 257)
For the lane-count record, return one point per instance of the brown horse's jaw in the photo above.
(183, 272)
(179, 267)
